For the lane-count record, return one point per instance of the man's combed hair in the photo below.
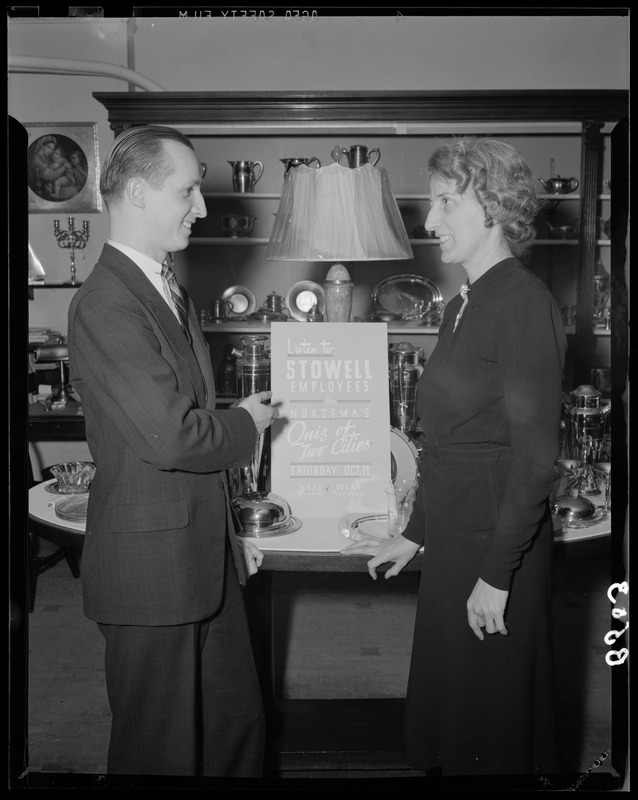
(501, 180)
(138, 152)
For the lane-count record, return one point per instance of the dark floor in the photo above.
(340, 636)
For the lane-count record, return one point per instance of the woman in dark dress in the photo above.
(480, 691)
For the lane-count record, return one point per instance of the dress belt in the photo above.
(495, 452)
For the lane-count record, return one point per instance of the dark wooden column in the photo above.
(591, 154)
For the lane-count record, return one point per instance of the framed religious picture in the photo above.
(63, 170)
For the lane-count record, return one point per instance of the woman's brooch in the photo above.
(464, 292)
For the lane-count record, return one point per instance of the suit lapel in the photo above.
(202, 354)
(196, 358)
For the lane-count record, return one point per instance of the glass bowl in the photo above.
(74, 477)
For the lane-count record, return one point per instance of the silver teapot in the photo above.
(558, 185)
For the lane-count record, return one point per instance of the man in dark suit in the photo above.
(162, 565)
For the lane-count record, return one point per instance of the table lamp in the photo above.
(338, 214)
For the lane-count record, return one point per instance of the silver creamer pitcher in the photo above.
(246, 174)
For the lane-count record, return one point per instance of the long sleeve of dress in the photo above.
(530, 343)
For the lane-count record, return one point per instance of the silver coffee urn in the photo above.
(253, 375)
(405, 368)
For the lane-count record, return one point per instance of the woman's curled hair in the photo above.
(501, 180)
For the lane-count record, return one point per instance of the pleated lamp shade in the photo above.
(338, 213)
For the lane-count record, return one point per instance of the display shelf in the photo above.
(233, 241)
(221, 117)
(261, 327)
(570, 330)
(420, 242)
(405, 328)
(398, 196)
(241, 195)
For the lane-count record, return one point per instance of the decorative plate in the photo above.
(404, 455)
(303, 296)
(407, 295)
(242, 299)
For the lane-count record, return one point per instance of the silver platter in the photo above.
(407, 295)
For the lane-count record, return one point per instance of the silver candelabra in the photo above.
(71, 239)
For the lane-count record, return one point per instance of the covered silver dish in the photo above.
(573, 509)
(264, 514)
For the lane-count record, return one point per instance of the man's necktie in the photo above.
(168, 276)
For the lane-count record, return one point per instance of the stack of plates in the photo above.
(73, 508)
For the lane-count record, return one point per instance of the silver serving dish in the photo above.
(407, 295)
(235, 225)
(576, 512)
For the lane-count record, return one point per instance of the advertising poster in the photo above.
(331, 442)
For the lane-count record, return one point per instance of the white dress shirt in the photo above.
(151, 268)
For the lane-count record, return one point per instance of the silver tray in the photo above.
(244, 304)
(407, 294)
